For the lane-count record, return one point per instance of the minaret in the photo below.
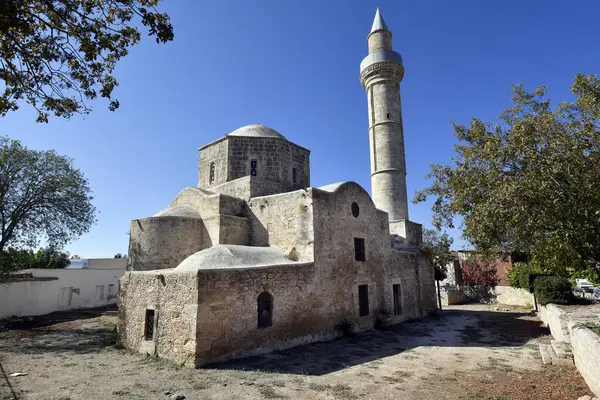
(381, 73)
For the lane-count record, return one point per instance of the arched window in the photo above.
(253, 167)
(265, 310)
(211, 176)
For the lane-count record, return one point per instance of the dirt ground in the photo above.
(468, 352)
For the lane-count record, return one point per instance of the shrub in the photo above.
(518, 275)
(345, 327)
(553, 289)
(478, 272)
(382, 319)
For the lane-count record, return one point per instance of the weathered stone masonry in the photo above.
(254, 259)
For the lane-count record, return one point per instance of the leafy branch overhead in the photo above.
(57, 55)
(530, 182)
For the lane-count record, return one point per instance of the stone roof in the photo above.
(234, 256)
(178, 211)
(256, 130)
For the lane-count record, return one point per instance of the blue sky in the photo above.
(294, 66)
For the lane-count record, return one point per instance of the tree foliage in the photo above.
(479, 272)
(42, 195)
(437, 245)
(530, 182)
(59, 54)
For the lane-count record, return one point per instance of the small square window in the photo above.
(359, 249)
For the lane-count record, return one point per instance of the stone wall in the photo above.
(557, 320)
(163, 242)
(514, 296)
(585, 343)
(227, 314)
(276, 158)
(452, 297)
(248, 187)
(209, 205)
(216, 152)
(586, 353)
(284, 221)
(174, 297)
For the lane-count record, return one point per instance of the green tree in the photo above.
(437, 245)
(528, 183)
(59, 54)
(42, 196)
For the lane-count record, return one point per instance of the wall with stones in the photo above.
(557, 320)
(427, 282)
(227, 314)
(217, 152)
(380, 41)
(284, 221)
(513, 296)
(209, 205)
(163, 242)
(586, 354)
(585, 343)
(335, 230)
(248, 187)
(275, 160)
(174, 297)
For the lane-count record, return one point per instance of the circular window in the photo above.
(355, 209)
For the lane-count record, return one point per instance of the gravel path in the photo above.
(468, 352)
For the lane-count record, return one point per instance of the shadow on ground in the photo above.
(74, 331)
(456, 328)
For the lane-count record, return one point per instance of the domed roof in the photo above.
(256, 130)
(234, 256)
(178, 211)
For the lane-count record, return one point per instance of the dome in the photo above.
(234, 256)
(179, 211)
(256, 130)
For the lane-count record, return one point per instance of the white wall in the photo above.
(74, 288)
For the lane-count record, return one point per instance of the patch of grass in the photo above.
(341, 391)
(575, 388)
(269, 393)
(120, 392)
(404, 374)
(318, 387)
(201, 385)
(486, 380)
(393, 379)
(70, 364)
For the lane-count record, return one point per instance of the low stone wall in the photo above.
(557, 320)
(586, 352)
(514, 297)
(585, 343)
(452, 297)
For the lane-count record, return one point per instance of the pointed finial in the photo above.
(378, 22)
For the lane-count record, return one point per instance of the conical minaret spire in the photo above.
(378, 22)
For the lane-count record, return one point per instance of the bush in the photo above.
(383, 319)
(518, 275)
(345, 327)
(553, 289)
(478, 272)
